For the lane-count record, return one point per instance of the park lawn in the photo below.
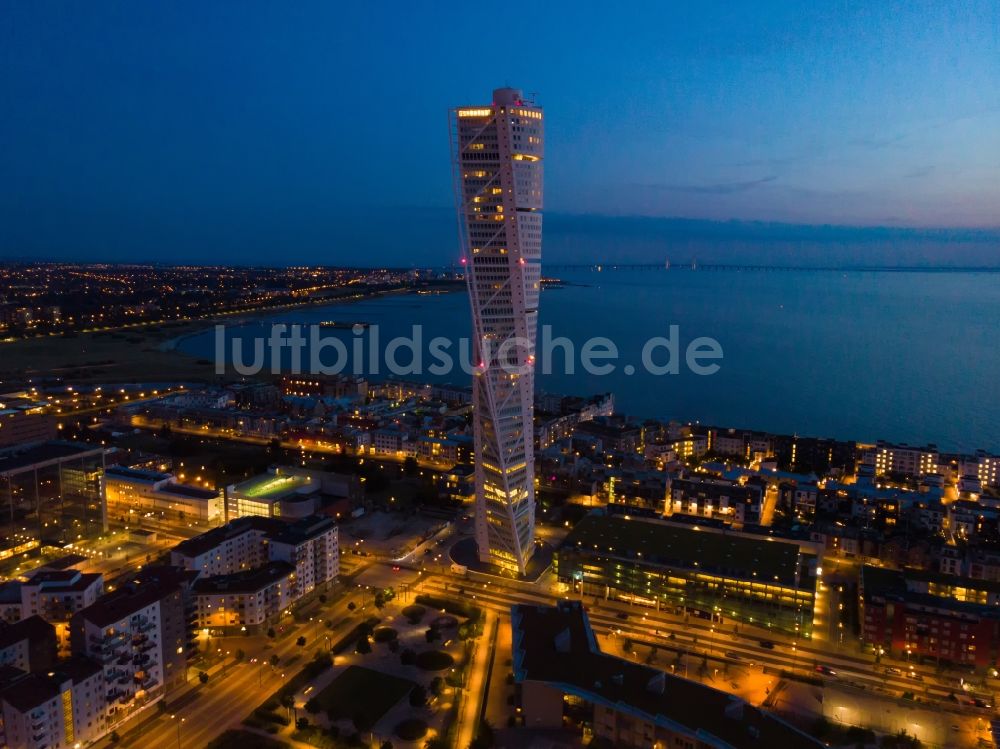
(362, 690)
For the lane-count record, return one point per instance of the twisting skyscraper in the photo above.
(497, 160)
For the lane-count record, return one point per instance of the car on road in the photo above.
(825, 670)
(915, 676)
(767, 644)
(621, 615)
(893, 671)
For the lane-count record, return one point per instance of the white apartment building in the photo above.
(905, 460)
(497, 152)
(56, 595)
(64, 709)
(137, 634)
(249, 599)
(253, 568)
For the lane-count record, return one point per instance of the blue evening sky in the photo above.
(316, 131)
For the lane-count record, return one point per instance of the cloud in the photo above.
(717, 188)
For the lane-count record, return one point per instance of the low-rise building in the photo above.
(707, 572)
(130, 490)
(716, 498)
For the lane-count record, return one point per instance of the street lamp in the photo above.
(174, 717)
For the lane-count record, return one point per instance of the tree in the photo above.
(364, 647)
(274, 660)
(239, 655)
(351, 606)
(386, 744)
(432, 635)
(322, 597)
(437, 686)
(382, 597)
(436, 743)
(410, 466)
(418, 696)
(301, 642)
(271, 633)
(302, 723)
(312, 706)
(203, 677)
(408, 657)
(287, 701)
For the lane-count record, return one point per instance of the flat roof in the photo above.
(122, 603)
(556, 645)
(27, 691)
(688, 548)
(247, 581)
(188, 491)
(136, 474)
(20, 460)
(276, 530)
(270, 486)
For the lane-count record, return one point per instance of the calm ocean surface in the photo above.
(909, 357)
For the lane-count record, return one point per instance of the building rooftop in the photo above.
(27, 691)
(248, 581)
(687, 548)
(18, 460)
(270, 486)
(136, 474)
(68, 581)
(188, 491)
(205, 542)
(275, 529)
(33, 628)
(556, 644)
(122, 603)
(915, 586)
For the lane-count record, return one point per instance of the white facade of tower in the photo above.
(497, 158)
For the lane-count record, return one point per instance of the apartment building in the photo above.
(62, 709)
(28, 645)
(253, 568)
(716, 498)
(56, 595)
(137, 634)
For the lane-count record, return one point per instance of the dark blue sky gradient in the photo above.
(316, 131)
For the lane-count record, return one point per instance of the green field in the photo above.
(361, 691)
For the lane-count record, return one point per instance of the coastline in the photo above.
(242, 317)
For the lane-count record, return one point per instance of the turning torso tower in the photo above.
(497, 160)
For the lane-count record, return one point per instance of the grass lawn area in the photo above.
(361, 690)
